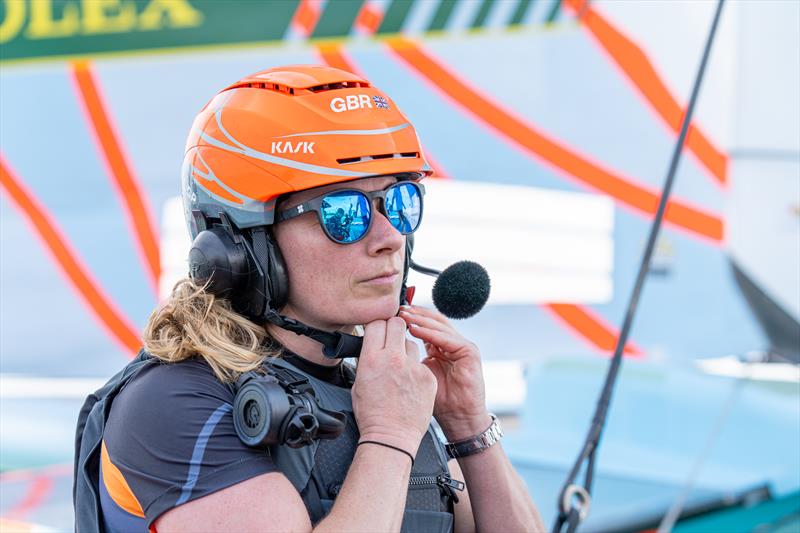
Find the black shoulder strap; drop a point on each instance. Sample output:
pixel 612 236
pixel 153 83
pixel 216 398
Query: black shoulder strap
pixel 297 464
pixel 88 434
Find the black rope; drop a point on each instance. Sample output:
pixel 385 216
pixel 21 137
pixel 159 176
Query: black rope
pixel 568 514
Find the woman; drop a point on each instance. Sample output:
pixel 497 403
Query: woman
pixel 270 162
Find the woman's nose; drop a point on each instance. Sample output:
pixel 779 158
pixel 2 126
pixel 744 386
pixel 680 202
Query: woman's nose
pixel 383 237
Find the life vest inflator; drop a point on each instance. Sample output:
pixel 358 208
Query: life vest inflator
pixel 277 408
pixel 312 442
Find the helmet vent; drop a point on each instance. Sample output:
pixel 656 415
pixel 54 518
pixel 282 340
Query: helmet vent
pixel 339 85
pixel 364 158
pixel 277 87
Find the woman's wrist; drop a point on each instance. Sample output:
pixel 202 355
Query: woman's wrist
pixel 460 427
pixel 383 444
pixel 405 441
pixel 384 458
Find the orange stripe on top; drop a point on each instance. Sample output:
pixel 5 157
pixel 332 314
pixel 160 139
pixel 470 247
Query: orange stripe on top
pixel 369 18
pixel 537 143
pixel 116 485
pixel 640 70
pixel 56 243
pixel 306 16
pixel 109 145
pixel 591 327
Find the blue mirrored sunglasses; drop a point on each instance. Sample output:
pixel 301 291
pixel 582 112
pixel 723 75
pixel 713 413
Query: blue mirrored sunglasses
pixel 346 214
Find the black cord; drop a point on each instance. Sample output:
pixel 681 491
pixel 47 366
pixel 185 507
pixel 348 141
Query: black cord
pixel 569 515
pixel 401 450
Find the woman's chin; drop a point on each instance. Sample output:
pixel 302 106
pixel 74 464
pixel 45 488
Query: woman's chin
pixel 383 309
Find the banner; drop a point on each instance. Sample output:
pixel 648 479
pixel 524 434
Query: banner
pixel 42 28
pixel 31 29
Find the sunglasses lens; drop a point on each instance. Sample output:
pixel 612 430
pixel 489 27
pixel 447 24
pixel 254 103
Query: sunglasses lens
pixel 404 207
pixel 345 215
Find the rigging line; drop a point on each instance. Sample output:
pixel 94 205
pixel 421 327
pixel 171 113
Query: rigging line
pixel 675 510
pixel 566 506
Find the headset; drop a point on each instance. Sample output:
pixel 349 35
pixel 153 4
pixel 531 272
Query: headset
pixel 246 268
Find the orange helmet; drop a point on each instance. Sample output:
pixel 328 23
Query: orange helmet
pixel 287 129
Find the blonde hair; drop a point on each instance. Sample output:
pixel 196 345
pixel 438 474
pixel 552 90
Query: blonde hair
pixel 195 323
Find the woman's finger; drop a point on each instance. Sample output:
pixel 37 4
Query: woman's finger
pixel 374 336
pixel 435 366
pixel 429 313
pixel 446 343
pixel 396 334
pixel 412 350
pixel 425 321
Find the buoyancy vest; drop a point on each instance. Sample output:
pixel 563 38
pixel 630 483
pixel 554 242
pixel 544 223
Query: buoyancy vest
pixel 316 471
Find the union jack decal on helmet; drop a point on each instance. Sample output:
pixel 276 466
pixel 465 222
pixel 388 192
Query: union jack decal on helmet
pixel 380 102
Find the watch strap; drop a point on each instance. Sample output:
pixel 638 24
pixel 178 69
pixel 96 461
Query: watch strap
pixel 477 444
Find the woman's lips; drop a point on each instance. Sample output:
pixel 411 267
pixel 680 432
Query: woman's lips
pixel 387 279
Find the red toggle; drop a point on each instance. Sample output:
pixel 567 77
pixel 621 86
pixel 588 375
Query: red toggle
pixel 410 294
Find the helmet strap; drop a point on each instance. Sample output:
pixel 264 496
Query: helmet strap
pixel 335 345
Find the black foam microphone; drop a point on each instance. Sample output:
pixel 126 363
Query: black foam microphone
pixel 461 290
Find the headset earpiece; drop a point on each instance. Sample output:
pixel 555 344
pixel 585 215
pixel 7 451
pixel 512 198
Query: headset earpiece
pixel 247 270
pixel 216 259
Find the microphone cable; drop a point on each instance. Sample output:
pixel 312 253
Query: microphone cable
pixel 574 500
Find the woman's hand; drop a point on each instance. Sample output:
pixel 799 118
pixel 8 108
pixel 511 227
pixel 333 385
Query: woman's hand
pixel 393 393
pixel 460 406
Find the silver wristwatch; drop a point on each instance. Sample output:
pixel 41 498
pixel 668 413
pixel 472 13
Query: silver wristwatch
pixel 477 444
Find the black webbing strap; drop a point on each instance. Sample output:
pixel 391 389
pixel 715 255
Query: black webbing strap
pixel 335 345
pixel 290 381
